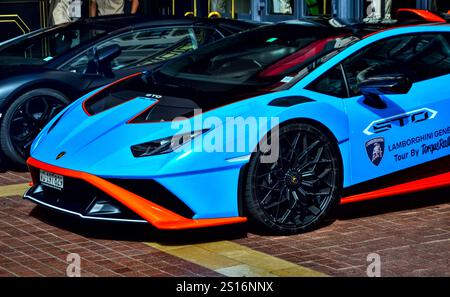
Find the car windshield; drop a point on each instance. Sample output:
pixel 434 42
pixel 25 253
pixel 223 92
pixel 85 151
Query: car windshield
pixel 261 57
pixel 47 45
pixel 252 63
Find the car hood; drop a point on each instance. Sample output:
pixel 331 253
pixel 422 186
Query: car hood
pixel 93 132
pixel 174 98
pixel 88 140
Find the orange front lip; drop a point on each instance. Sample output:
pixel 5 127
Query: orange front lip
pixel 156 215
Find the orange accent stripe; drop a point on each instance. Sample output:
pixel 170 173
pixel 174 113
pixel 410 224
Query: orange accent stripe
pixel 433 182
pixel 425 14
pixel 156 215
pixel 105 87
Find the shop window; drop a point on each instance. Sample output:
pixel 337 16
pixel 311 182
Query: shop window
pixel 281 7
pixel 243 6
pixel 220 6
pixel 318 7
pixel 226 8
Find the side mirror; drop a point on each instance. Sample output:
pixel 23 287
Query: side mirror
pixel 101 62
pixel 105 57
pixel 375 86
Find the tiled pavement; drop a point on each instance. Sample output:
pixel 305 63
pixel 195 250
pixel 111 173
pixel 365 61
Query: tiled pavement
pixel 30 246
pixel 10 178
pixel 411 235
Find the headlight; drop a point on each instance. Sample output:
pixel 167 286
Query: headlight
pixel 164 145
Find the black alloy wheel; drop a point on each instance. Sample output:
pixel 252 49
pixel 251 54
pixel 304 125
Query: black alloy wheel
pixel 294 193
pixel 25 118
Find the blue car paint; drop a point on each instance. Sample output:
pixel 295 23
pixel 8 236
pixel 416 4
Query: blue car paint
pixel 208 183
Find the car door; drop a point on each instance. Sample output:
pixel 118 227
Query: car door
pixel 411 128
pixel 139 49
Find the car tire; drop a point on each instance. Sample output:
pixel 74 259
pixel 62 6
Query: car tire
pixel 295 193
pixel 24 119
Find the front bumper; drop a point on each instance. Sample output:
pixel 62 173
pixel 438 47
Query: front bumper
pixel 86 190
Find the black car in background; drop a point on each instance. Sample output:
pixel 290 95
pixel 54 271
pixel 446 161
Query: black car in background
pixel 42 72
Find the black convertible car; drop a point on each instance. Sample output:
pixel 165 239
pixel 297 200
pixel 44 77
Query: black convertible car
pixel 42 72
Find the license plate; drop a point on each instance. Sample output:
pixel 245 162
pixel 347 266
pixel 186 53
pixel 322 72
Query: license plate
pixel 51 180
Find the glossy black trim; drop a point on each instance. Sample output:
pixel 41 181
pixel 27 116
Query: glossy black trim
pixel 156 193
pixel 290 101
pixel 241 189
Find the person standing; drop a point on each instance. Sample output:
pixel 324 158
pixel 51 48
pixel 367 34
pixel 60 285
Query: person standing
pixel 375 13
pixel 64 11
pixel 286 6
pixel 282 7
pixel 108 7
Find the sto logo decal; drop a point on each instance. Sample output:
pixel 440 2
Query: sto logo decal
pixel 400 120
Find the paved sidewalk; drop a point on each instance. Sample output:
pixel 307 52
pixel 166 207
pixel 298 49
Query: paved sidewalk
pixel 11 178
pixel 411 234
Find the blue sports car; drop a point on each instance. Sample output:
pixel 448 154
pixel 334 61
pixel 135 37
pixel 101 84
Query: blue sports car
pixel 277 125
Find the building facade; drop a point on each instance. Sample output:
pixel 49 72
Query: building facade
pixel 22 16
pixel 275 10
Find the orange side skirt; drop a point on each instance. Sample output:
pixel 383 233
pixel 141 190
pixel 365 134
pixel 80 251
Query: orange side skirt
pixel 156 215
pixel 429 183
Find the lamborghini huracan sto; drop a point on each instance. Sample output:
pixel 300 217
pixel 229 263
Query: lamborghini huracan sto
pixel 339 117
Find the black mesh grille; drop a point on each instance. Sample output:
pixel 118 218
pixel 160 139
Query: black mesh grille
pixel 78 196
pixel 155 193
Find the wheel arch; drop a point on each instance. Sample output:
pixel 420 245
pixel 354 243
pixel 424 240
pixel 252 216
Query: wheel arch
pixel 243 173
pixel 6 104
pixel 327 131
pixel 66 89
